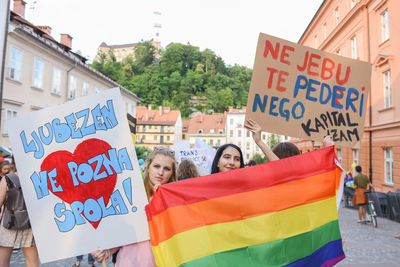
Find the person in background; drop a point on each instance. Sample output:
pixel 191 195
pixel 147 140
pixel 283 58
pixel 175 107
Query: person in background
pixel 186 169
pixel 80 258
pixel 251 163
pixel 161 169
pixel 228 157
pixel 4 168
pixel 360 199
pixel 13 239
pixel 349 181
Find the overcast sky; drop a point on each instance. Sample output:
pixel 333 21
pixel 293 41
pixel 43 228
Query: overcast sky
pixel 229 28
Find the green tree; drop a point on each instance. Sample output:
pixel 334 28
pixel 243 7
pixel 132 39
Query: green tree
pixel 142 152
pixel 144 54
pixel 273 140
pixel 258 158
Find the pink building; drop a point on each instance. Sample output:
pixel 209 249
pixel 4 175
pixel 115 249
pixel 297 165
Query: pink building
pixel 367 30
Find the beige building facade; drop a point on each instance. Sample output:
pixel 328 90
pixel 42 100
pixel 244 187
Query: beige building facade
pixel 41 72
pixel 367 30
pixel 158 128
pixel 122 51
pixel 210 128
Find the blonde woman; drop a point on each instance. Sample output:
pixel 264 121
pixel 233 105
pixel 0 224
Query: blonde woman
pixel 161 168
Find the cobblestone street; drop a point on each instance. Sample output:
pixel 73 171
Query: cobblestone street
pixel 364 245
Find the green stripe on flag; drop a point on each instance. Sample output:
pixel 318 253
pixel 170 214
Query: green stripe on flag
pixel 276 253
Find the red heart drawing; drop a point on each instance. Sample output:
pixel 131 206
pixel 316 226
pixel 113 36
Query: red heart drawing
pixel 94 189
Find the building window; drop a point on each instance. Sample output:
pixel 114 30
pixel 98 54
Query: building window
pixel 354 47
pixel 339 155
pixel 38 73
pixel 247 133
pixel 355 156
pixel 240 145
pixel 56 86
pixel 264 137
pixel 155 137
pixel 218 142
pixel 231 121
pixel 247 156
pixel 97 90
pixel 220 131
pixel 73 85
pixel 337 17
pixel 149 126
pixel 325 31
pixel 85 89
pixel 338 52
pixel 211 142
pixel 231 133
pixel 257 148
pixel 247 145
pixel 168 137
pixel 10 114
pixel 387 89
pixel 211 131
pixel 388 165
pixel 200 131
pixel 385 25
pixel 14 67
pixel 239 133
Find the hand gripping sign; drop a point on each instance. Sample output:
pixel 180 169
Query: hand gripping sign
pixel 80 176
pixel 302 92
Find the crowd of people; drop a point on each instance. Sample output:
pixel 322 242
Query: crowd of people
pixel 161 168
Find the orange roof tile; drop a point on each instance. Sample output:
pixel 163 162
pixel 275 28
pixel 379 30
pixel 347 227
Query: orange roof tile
pixel 185 125
pixel 162 116
pixel 206 123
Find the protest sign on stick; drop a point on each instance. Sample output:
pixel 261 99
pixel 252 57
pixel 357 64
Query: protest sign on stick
pixel 80 177
pixel 302 92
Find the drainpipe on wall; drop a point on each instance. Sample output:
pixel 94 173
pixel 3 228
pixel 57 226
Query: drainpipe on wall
pixel 370 102
pixel 5 4
pixel 68 71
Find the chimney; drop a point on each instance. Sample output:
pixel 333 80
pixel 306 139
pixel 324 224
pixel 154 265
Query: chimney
pixel 46 29
pixel 160 110
pixel 19 7
pixel 149 106
pixel 230 109
pixel 167 109
pixel 66 40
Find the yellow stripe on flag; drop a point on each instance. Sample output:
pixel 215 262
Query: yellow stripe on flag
pixel 265 228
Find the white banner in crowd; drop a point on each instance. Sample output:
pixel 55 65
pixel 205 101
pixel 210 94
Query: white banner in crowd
pixel 80 176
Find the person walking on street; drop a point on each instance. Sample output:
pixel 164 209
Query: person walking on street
pixel 360 199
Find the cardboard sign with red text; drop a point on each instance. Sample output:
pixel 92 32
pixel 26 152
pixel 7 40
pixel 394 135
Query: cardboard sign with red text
pixel 302 92
pixel 80 176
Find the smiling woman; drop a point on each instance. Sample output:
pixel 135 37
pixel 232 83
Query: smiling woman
pixel 228 157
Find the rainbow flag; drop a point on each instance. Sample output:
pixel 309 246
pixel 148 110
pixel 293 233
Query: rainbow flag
pixel 281 213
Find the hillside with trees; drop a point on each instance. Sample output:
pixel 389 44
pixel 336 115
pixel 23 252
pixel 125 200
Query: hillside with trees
pixel 182 77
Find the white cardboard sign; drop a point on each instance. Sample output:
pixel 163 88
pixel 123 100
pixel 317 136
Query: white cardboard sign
pixel 80 176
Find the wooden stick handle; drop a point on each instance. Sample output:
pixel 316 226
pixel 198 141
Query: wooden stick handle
pixel 103 263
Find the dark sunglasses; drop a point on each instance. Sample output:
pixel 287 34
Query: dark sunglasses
pixel 163 148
